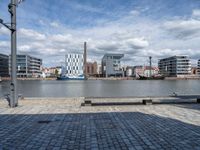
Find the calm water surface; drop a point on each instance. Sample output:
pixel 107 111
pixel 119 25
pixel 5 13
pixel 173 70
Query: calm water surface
pixel 102 88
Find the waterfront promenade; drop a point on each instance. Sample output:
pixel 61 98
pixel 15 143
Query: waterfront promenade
pixel 65 124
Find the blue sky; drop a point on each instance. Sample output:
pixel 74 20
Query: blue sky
pixel 137 28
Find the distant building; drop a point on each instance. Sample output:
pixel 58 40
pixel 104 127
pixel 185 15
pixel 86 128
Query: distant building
pixel 138 70
pixel 194 71
pixel 198 67
pixel 99 70
pixel 91 68
pixel 145 71
pixel 73 65
pixel 111 65
pixel 27 66
pixel 4 67
pixel 150 71
pixel 129 71
pixel 51 72
pixel 177 66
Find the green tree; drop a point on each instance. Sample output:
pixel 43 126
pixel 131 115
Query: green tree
pixel 56 73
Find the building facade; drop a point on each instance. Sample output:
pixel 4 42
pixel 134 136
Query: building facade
pixel 27 66
pixel 138 70
pixel 4 67
pixel 178 66
pixel 51 72
pixel 99 70
pixel 194 71
pixel 129 71
pixel 198 67
pixel 91 68
pixel 150 71
pixel 145 71
pixel 111 65
pixel 74 65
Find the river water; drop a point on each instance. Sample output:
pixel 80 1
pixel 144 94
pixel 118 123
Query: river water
pixel 103 88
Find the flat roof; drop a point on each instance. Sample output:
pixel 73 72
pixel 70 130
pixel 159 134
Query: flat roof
pixel 116 55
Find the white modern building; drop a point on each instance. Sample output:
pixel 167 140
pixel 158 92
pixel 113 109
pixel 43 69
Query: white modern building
pixel 73 65
pixel 178 66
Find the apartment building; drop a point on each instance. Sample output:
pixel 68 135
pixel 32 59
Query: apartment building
pixel 27 66
pixel 178 66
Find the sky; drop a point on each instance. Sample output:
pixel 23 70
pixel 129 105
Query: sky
pixel 137 28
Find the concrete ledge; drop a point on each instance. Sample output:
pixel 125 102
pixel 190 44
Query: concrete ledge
pixel 109 101
pixel 87 103
pixel 147 101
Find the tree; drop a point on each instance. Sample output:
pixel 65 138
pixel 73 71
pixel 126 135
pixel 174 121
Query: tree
pixel 56 72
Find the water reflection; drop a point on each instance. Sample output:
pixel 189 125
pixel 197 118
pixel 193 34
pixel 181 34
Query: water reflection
pixel 103 88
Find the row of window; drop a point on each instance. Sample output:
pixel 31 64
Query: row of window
pixel 73 56
pixel 74 72
pixel 73 67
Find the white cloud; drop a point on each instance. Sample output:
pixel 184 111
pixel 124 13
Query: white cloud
pixel 4 44
pixel 107 45
pixel 196 13
pixel 136 39
pixel 24 48
pixel 62 50
pixel 54 24
pixel 61 38
pixel 4 31
pixel 41 22
pixel 184 28
pixel 31 34
pixel 137 43
pixel 134 12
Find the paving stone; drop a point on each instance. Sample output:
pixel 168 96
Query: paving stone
pixel 64 124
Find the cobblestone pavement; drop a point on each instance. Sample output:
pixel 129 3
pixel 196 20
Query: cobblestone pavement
pixel 64 124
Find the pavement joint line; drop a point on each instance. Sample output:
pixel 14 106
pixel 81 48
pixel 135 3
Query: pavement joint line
pixel 115 127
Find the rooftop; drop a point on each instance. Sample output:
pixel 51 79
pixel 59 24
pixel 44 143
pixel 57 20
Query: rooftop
pixel 114 55
pixel 175 56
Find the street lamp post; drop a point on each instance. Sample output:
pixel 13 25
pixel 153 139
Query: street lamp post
pixel 13 92
pixel 13 99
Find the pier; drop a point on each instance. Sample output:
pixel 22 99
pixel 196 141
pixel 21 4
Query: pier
pixel 62 123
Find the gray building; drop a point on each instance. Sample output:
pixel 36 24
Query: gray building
pixel 4 71
pixel 198 67
pixel 175 66
pixel 111 65
pixel 28 66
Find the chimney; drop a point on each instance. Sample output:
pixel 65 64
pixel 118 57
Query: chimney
pixel 85 58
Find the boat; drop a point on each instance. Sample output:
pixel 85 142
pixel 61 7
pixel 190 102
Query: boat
pixel 79 77
pixel 158 77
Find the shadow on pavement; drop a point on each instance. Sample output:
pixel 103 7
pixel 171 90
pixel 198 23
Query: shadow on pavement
pixel 190 106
